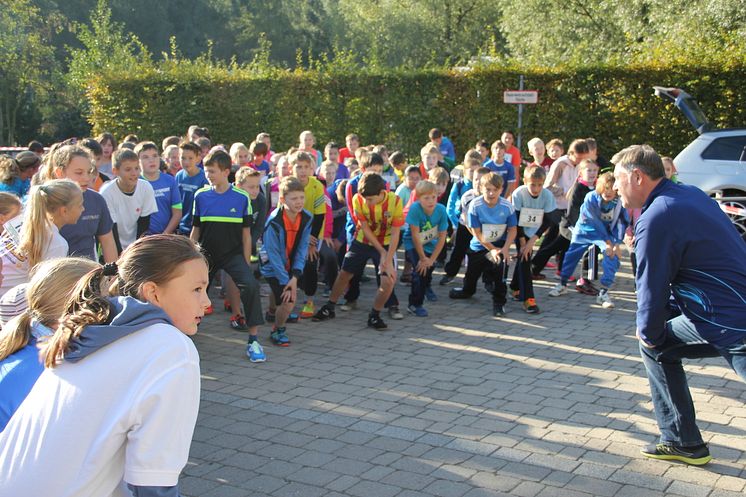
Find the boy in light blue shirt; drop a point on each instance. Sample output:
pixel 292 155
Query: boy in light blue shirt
pixel 492 221
pixel 424 237
pixel 533 205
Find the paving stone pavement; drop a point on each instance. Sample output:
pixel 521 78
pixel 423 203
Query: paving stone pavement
pixel 456 404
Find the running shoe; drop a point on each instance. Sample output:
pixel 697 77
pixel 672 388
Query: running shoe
pixel 559 289
pixel 696 456
pixel 417 310
pixel 308 310
pixel 255 352
pixel 238 323
pixel 350 305
pixel 376 322
pixel 605 299
pixel 530 306
pixel 325 312
pixel 279 337
pixel 395 313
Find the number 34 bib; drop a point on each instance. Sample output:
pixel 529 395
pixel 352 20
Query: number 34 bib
pixel 531 218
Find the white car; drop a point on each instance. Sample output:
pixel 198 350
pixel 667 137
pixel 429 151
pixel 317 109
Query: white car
pixel 715 161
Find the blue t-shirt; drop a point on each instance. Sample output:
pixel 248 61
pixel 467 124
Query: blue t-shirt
pixel 95 221
pixel 167 197
pixel 506 170
pixel 187 186
pixel 446 148
pixel 493 221
pixel 531 210
pixel 430 226
pixel 342 172
pixel 18 373
pixel 403 192
pixel 17 187
pixel 339 212
pixel 262 168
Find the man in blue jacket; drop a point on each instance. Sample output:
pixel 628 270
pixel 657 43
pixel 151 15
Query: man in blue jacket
pixel 686 248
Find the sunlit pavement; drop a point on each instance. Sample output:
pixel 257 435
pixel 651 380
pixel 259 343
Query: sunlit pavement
pixel 456 404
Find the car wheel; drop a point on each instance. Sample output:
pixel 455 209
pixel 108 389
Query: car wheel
pixel 735 210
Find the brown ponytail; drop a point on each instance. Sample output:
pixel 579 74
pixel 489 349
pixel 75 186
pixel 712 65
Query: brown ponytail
pixel 155 258
pixel 85 307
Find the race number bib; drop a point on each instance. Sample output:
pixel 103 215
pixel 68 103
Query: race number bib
pixel 531 218
pixel 429 235
pixel 493 232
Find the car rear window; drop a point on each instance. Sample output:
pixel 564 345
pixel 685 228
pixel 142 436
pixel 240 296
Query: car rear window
pixel 726 148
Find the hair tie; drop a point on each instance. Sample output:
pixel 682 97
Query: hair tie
pixel 111 269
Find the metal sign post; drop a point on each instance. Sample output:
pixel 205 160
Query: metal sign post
pixel 520 116
pixel 520 97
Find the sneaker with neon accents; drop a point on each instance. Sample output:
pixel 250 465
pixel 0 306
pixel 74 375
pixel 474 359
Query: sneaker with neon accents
pixel 279 337
pixel 308 310
pixel 696 456
pixel 255 352
pixel 530 306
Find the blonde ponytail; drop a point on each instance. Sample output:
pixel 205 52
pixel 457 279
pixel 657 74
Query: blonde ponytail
pixel 43 201
pixel 47 293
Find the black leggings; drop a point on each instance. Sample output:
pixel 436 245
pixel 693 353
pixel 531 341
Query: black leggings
pixel 460 245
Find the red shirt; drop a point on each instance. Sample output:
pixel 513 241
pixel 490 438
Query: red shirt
pixel 344 153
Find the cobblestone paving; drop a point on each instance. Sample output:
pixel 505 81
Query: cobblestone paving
pixel 456 404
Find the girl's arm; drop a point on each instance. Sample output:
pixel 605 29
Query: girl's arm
pixel 109 245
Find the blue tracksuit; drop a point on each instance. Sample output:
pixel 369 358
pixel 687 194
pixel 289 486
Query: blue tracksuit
pixel 687 246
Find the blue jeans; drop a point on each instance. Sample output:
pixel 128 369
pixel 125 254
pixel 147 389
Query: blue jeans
pixel 674 410
pixel 419 282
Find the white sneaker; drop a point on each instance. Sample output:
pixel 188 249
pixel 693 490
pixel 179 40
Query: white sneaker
pixel 395 313
pixel 605 300
pixel 348 306
pixel 559 289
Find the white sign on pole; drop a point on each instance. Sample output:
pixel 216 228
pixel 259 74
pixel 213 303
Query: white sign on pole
pixel 521 96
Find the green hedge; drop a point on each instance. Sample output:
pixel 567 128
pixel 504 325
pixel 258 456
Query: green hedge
pixel 614 104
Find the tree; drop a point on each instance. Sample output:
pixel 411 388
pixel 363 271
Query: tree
pixel 26 63
pixel 105 48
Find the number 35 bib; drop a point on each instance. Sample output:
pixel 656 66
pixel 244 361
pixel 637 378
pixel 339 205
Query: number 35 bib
pixel 493 232
pixel 531 218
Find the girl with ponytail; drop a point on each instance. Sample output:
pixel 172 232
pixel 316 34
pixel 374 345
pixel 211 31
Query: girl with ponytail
pixel 47 293
pixel 116 406
pixel 50 207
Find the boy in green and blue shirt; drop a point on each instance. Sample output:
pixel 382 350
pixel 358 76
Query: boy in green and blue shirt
pixel 221 225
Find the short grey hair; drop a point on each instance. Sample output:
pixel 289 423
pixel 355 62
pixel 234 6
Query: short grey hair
pixel 641 157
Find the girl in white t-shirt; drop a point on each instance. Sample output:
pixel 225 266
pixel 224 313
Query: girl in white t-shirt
pixel 37 237
pixel 114 412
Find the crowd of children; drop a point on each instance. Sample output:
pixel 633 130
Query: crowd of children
pixel 95 197
pixel 169 225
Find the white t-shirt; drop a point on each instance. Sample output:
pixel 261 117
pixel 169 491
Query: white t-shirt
pixel 126 413
pixel 15 271
pixel 562 175
pixel 127 209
